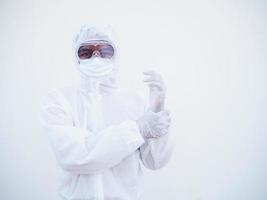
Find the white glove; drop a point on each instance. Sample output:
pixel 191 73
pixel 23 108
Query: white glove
pixel 157 90
pixel 153 125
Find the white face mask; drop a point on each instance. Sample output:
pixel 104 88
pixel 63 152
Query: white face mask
pixel 96 67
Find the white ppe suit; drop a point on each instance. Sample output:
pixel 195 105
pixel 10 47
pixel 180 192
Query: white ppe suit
pixel 93 132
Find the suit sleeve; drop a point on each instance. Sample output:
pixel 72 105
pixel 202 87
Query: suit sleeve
pixel 77 150
pixel 155 153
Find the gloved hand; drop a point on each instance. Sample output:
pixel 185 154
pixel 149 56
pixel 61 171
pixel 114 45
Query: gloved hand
pixel 153 124
pixel 157 90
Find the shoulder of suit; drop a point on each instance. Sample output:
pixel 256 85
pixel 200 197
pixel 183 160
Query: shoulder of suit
pixel 60 94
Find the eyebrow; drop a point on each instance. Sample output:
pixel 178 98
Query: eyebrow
pixel 84 48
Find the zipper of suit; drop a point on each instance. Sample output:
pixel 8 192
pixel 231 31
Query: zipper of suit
pixel 98 185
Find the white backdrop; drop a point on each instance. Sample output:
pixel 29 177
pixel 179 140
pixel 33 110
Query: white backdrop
pixel 213 56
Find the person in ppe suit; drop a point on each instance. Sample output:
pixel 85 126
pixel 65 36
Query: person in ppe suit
pixel 102 134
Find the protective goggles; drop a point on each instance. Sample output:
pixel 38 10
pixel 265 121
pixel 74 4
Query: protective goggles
pixel 101 49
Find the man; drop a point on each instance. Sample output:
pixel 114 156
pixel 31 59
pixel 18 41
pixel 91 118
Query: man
pixel 101 134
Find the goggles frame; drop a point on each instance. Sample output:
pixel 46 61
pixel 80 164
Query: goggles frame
pixel 95 43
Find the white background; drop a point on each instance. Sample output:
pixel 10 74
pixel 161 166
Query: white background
pixel 213 56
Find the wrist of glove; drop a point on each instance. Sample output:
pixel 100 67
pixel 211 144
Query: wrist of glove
pixel 152 125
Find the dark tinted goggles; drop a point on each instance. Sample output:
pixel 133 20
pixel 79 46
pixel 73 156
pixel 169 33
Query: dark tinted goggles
pixel 104 50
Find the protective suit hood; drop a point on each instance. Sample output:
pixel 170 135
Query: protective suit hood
pixel 98 75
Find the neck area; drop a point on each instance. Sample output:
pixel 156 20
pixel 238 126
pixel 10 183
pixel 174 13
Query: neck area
pixel 99 85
